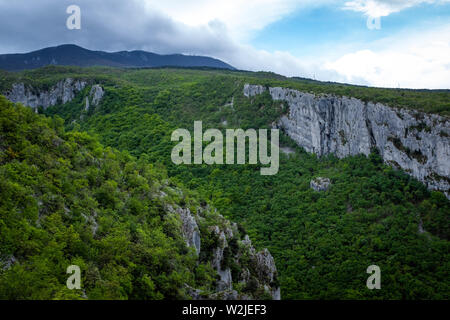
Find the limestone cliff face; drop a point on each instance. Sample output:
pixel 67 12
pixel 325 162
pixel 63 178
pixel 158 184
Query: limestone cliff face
pixel 416 142
pixel 63 92
pixel 96 94
pixel 258 273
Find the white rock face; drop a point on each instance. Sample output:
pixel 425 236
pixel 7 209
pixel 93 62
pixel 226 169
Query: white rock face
pixel 63 92
pixel 252 90
pixel 189 227
pixel 320 184
pixel 265 266
pixel 266 262
pixel 258 268
pixel 7 262
pixel 262 262
pixel 416 142
pixel 225 282
pixel 87 104
pixel 96 94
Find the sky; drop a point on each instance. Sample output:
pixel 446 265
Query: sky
pixel 383 43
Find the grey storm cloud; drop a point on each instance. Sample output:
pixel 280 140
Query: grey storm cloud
pixel 109 25
pixel 115 25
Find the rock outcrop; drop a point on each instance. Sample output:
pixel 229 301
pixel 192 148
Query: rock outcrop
pixel 226 282
pixel 7 262
pixel 258 273
pixel 189 227
pixel 264 264
pixel 320 184
pixel 63 92
pixel 96 94
pixel 416 142
pixel 258 276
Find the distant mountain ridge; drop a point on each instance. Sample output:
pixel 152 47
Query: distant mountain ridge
pixel 72 55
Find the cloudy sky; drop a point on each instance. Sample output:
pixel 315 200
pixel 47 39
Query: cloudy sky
pixel 390 43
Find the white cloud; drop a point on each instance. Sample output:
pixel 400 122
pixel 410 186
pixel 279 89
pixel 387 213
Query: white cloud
pixel 382 8
pixel 246 57
pixel 411 60
pixel 241 17
pixel 421 60
pixel 187 28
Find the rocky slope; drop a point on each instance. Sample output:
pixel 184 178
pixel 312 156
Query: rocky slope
pixel 416 142
pixel 257 273
pixel 238 270
pixel 64 91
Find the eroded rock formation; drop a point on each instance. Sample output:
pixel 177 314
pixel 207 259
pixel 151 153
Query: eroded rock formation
pixel 416 142
pixel 63 92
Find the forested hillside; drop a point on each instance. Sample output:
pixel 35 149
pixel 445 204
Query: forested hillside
pixel 67 200
pixel 432 101
pixel 322 242
pixel 72 55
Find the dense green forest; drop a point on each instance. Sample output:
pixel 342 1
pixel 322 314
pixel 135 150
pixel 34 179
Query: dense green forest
pixel 67 200
pixel 432 101
pixel 322 242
